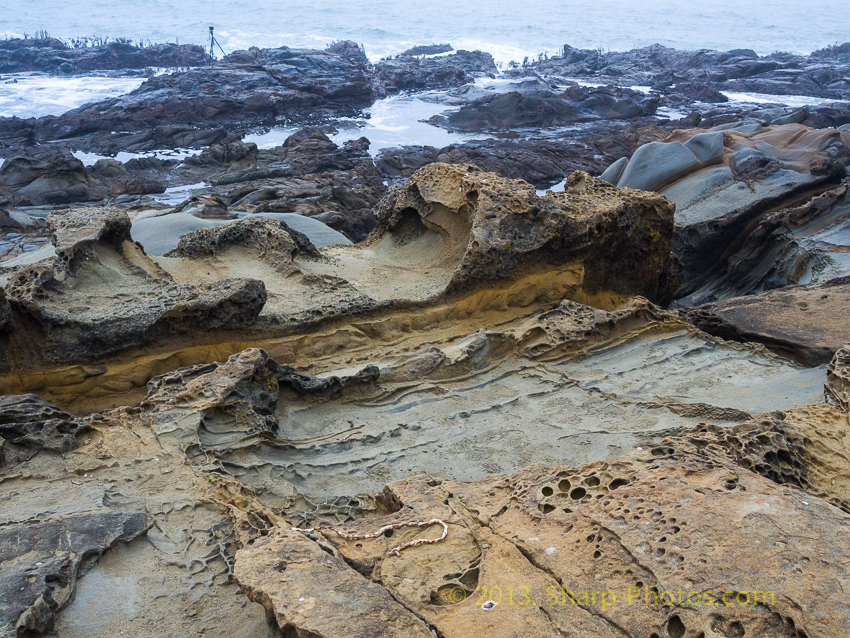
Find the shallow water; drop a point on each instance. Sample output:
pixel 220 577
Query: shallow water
pixel 393 121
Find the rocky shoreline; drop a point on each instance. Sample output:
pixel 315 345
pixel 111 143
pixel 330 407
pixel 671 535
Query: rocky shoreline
pixel 545 380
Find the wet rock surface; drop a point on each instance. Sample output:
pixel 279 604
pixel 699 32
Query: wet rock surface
pixel 247 89
pixel 56 56
pixel 737 70
pixel 252 88
pixel 547 108
pixel 54 176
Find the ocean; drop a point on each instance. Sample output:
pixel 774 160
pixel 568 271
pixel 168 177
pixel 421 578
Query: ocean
pixel 509 29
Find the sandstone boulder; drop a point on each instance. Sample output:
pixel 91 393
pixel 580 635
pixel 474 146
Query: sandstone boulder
pixel 29 421
pixel 103 294
pixel 497 228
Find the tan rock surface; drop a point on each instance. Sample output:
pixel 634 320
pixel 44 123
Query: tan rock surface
pixel 673 520
pixel 446 375
pixel 492 245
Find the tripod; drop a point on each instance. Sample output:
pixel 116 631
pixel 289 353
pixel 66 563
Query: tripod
pixel 214 42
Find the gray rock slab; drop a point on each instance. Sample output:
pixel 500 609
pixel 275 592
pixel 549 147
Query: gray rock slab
pixel 160 235
pixel 655 165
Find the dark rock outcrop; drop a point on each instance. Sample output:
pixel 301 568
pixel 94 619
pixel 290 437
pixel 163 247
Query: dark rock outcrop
pixel 428 49
pixel 408 73
pixel 308 175
pixel 52 175
pixel 30 421
pixel 539 162
pixel 41 562
pixel 183 109
pixel 542 108
pixel 50 55
pixel 205 208
pixel 737 70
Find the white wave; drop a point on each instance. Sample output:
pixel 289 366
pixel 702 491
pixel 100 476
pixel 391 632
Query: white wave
pixel 37 94
pixel 89 159
pixel 794 101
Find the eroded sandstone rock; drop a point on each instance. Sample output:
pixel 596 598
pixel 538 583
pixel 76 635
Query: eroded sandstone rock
pixel 103 294
pixel 497 227
pixel 270 238
pixel 793 245
pixel 230 456
pixel 838 379
pixel 237 398
pixel 360 608
pixel 607 549
pixel 5 313
pixel 40 562
pixel 724 183
pixel 30 421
